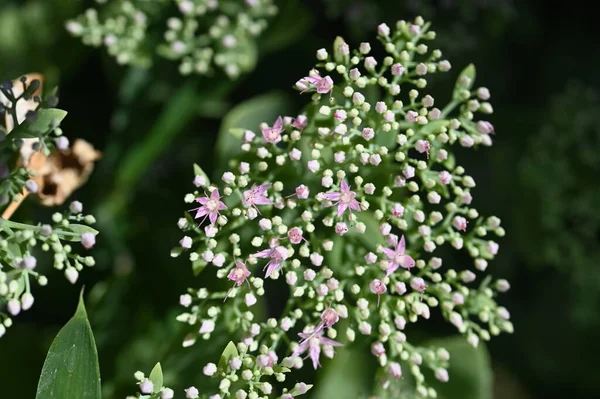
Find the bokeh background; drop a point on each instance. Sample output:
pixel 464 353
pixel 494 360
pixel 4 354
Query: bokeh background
pixel 540 60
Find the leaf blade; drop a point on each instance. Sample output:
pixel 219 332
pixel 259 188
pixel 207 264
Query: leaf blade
pixel 71 368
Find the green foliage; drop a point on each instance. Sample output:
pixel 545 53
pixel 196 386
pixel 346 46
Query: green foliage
pixel 71 369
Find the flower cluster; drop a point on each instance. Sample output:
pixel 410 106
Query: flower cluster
pixel 202 35
pixel 31 133
pixel 350 203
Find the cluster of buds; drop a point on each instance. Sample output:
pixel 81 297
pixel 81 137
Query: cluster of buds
pixel 237 367
pixel 350 203
pixel 30 134
pixel 204 35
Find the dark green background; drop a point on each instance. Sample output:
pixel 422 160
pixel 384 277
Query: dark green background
pixel 540 60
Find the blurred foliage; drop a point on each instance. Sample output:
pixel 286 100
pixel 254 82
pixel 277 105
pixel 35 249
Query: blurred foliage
pixel 153 124
pixel 559 175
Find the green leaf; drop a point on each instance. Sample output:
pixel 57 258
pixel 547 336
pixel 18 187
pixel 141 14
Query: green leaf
pixel 71 368
pixel 292 23
pixel 77 229
pixel 156 377
pixel 470 371
pixel 372 238
pixel 346 376
pixel 44 120
pixel 198 171
pixel 468 72
pixel 198 266
pixel 229 352
pixel 337 55
pixel 247 115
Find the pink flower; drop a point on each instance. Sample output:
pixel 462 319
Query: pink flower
pixel 300 122
pixel 339 156
pixel 277 254
pixel 423 146
pixel 340 115
pixel 322 84
pixel 295 235
pixel 210 207
pixel 484 127
pixel 398 257
pixel 341 228
pixel 397 210
pixel 377 349
pixel 345 199
pixel 239 273
pixel 418 284
pixel 329 317
pixel 459 223
pixel 257 196
pixel 302 191
pixel 411 116
pixel 397 69
pixel 445 177
pixel 395 370
pixel 312 343
pixel 273 134
pixel 378 287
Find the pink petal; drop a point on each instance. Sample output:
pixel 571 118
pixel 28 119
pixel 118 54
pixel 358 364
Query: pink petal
pixel 263 201
pixel 272 266
pixel 355 205
pixel 222 206
pixel 313 79
pixel 201 212
pixel 407 262
pixel 304 335
pixel 215 194
pixel 341 209
pixel 332 196
pixel 391 269
pixel 344 186
pixel 213 217
pixel 401 245
pixel 314 352
pixel 327 341
pixel 301 348
pixel 390 253
pixel 262 188
pixel 202 200
pixel 265 253
pixel 278 125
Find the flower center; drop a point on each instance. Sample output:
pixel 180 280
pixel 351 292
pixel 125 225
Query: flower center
pixel 398 258
pixel 346 197
pixel 212 205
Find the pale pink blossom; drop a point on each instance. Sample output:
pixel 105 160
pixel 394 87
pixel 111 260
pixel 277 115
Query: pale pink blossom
pixel 484 127
pixel 272 134
pixel 377 349
pixel 398 257
pixel 313 165
pixel 210 207
pixel 345 198
pixel 277 255
pixel 459 223
pixel 423 146
pixel 340 115
pixel 239 273
pixel 397 69
pixel 418 284
pixel 445 177
pixel 312 343
pixel 378 287
pixel 257 195
pixel 339 156
pixel 397 210
pixel 300 122
pixel 411 116
pixel 394 370
pixel 341 228
pixel 295 235
pixel 323 85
